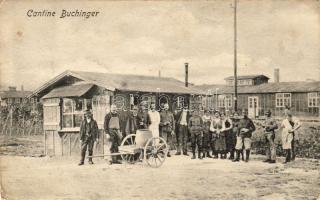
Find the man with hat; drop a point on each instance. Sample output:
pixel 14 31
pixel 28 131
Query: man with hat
pixel 246 127
pixel 182 134
pixel 144 120
pixel 88 135
pixel 112 129
pixel 270 125
pixel 167 126
pixel 132 122
pixel 195 126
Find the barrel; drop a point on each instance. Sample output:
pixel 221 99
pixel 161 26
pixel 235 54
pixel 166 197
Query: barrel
pixel 142 136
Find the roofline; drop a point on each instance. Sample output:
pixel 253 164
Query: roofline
pixel 60 76
pixel 245 77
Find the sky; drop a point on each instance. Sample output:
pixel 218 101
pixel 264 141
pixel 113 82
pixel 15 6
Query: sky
pixel 143 37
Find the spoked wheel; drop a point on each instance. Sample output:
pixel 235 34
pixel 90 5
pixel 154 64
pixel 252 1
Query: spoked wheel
pixel 155 151
pixel 128 149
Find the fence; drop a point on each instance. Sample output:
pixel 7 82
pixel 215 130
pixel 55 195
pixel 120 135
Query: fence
pixel 21 119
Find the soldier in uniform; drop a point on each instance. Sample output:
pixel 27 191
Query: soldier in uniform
pixel 132 121
pixel 270 125
pixel 167 126
pixel 231 138
pixel 182 134
pixel 112 129
pixel 144 120
pixel 246 127
pixel 195 126
pixel 88 135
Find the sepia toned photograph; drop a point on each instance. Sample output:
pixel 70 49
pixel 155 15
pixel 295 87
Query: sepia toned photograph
pixel 160 100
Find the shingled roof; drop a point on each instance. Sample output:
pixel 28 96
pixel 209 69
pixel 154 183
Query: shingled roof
pixel 266 88
pixel 126 82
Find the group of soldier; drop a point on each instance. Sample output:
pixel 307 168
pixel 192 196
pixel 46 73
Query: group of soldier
pixel 213 135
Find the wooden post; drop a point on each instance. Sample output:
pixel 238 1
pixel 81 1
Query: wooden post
pixel 53 145
pixel 45 143
pixel 69 144
pixel 10 130
pixel 23 125
pixel 102 141
pixel 62 144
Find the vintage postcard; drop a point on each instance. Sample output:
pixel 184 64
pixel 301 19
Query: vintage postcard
pixel 159 99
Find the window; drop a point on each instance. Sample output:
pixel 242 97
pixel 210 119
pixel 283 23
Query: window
pixel 313 99
pixel 72 114
pixel 283 99
pixel 225 101
pixel 17 100
pixel 180 102
pixel 148 99
pixel 228 100
pixel 221 101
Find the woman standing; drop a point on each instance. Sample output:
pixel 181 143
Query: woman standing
pixel 225 133
pixel 217 138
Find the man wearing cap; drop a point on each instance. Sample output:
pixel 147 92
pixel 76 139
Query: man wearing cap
pixel 182 134
pixel 270 125
pixel 154 119
pixel 88 135
pixel 132 122
pixel 167 126
pixel 144 120
pixel 112 129
pixel 195 126
pixel 246 127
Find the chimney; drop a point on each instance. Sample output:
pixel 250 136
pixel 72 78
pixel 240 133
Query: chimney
pixel 159 73
pixel 12 88
pixel 186 74
pixel 276 75
pixel 22 89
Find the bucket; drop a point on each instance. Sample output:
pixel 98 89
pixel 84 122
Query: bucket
pixel 142 136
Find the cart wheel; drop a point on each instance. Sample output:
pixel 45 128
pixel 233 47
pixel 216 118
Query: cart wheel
pixel 155 151
pixel 129 140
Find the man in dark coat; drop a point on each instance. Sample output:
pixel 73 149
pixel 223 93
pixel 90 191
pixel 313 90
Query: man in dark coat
pixel 182 118
pixel 246 127
pixel 132 121
pixel 167 126
pixel 270 125
pixel 88 135
pixel 112 126
pixel 195 126
pixel 144 120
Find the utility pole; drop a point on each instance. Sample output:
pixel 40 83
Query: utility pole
pixel 235 59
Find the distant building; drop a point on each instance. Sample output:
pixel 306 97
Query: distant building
pixel 248 80
pixel 12 96
pixel 256 96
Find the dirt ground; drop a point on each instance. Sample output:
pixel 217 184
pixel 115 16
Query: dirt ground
pixel 44 178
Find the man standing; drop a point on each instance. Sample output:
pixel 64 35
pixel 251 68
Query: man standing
pixel 167 126
pixel 88 134
pixel 112 129
pixel 132 121
pixel 195 126
pixel 182 134
pixel 270 125
pixel 296 122
pixel 289 126
pixel 154 119
pixel 246 127
pixel 143 117
pixel 206 140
